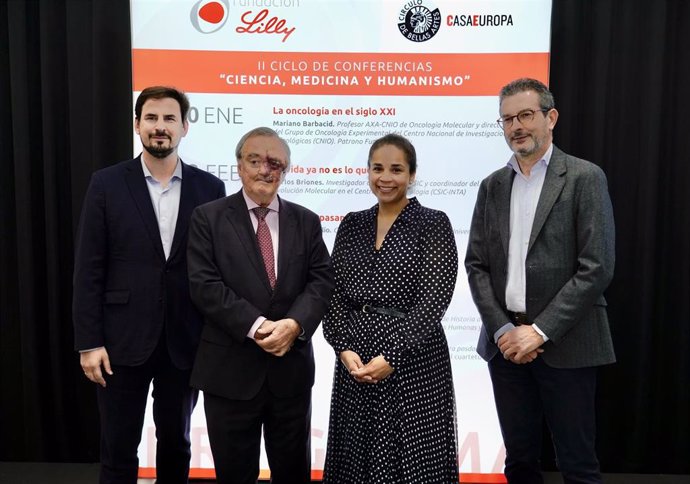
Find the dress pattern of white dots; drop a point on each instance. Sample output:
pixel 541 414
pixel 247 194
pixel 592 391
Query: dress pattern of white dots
pixel 403 428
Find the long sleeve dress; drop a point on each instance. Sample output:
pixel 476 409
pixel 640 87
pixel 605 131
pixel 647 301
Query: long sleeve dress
pixel 403 428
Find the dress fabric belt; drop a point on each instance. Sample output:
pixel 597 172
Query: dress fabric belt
pixel 519 318
pixel 396 313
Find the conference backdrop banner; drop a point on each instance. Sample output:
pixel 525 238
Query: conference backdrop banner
pixel 330 77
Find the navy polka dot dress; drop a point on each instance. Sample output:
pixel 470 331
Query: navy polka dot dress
pixel 402 429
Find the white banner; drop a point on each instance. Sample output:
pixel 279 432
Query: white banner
pixel 330 77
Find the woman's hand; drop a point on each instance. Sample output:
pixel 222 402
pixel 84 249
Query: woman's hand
pixel 351 361
pixel 373 372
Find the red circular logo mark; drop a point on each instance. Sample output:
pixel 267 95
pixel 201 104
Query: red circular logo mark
pixel 208 16
pixel 212 12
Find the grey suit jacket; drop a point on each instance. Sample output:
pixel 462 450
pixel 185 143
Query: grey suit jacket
pixel 569 261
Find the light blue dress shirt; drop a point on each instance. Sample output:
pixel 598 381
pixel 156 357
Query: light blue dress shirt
pixel 166 203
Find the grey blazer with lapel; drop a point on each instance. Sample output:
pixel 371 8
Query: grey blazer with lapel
pixel 569 261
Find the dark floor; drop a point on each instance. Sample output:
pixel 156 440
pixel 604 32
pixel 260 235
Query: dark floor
pixel 44 473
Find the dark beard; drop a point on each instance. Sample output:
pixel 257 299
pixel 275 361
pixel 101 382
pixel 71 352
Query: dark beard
pixel 158 151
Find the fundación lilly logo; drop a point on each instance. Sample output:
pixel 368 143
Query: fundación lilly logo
pixel 208 16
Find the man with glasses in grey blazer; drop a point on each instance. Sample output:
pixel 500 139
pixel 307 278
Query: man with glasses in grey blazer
pixel 539 257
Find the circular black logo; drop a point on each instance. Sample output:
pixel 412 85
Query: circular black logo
pixel 417 22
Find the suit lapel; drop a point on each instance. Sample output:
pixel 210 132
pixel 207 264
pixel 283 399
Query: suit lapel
pixel 142 199
pixel 238 217
pixel 553 185
pixel 184 213
pixel 286 239
pixel 502 200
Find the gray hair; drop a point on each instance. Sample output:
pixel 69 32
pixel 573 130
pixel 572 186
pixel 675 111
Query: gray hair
pixel 260 131
pixel 527 84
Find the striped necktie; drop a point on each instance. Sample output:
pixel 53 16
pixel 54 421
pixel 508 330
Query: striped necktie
pixel 263 236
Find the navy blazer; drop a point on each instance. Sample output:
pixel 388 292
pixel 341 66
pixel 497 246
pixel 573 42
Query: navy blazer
pixel 125 292
pixel 569 263
pixel 230 287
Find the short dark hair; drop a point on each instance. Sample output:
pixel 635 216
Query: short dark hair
pixel 400 142
pixel 527 84
pixel 161 92
pixel 260 131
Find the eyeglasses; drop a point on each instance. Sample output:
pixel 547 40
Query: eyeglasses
pixel 271 163
pixel 524 117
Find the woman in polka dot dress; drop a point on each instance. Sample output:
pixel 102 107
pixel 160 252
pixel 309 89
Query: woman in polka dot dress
pixel 392 409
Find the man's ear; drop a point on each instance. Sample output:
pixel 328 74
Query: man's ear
pixel 553 118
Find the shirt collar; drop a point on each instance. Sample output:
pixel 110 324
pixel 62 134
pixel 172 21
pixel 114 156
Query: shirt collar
pixel 251 204
pixel 544 161
pixel 176 174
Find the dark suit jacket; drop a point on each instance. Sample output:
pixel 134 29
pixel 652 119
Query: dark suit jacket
pixel 125 292
pixel 569 261
pixel 230 287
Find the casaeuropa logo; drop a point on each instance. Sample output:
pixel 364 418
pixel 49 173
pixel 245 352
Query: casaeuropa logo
pixel 484 20
pixel 208 16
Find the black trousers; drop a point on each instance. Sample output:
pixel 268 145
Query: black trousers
pixel 122 404
pixel 524 396
pixel 234 432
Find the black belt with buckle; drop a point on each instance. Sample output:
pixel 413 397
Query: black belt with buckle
pixel 519 318
pixel 368 308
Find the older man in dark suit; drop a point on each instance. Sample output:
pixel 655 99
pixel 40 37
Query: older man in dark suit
pixel 134 321
pixel 260 274
pixel 539 256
